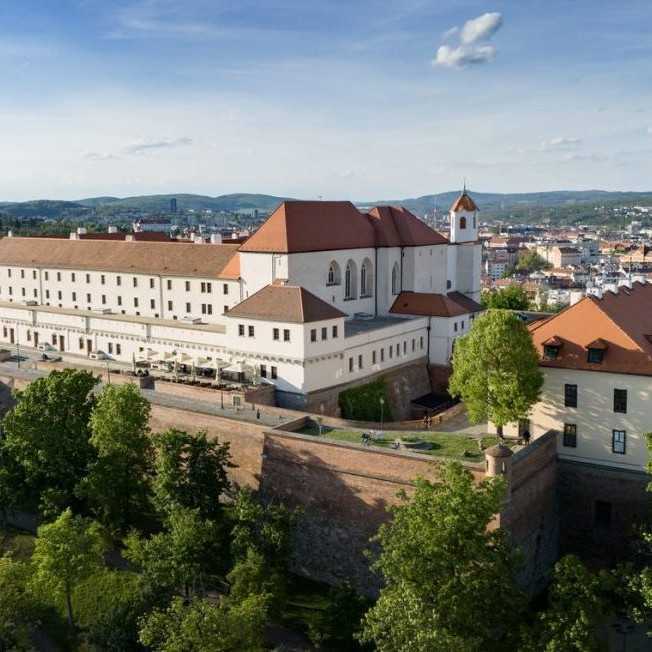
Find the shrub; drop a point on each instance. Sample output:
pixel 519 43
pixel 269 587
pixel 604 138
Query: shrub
pixel 362 403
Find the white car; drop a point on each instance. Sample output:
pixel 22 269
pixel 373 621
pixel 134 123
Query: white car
pixel 98 355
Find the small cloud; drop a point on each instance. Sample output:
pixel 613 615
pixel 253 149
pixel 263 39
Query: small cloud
pixel 590 158
pixel 481 28
pixel 463 55
pixel 472 47
pixel 100 156
pixel 141 146
pixel 560 143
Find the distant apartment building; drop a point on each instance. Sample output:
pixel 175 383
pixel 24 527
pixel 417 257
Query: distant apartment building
pixel 560 255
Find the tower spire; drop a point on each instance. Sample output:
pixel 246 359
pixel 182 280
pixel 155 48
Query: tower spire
pixel 464 186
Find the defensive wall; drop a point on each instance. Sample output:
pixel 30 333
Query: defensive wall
pixel 344 490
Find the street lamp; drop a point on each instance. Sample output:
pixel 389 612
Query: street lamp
pixel 381 400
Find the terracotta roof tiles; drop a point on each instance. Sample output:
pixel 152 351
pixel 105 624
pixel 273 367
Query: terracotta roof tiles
pixel 428 304
pixel 464 203
pixel 285 303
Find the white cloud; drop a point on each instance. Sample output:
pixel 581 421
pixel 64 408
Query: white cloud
pixel 560 142
pixel 481 28
pixel 472 47
pixel 141 146
pixel 591 158
pixel 100 156
pixel 464 55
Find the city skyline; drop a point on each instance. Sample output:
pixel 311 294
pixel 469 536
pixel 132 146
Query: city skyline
pixel 373 101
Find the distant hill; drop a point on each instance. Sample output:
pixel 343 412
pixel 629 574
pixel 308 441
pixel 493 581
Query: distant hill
pixel 563 205
pixel 154 203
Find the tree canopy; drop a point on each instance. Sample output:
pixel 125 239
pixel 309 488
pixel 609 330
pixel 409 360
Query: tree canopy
pixel 449 580
pixel 513 297
pixel 46 448
pixel 496 369
pixel 118 481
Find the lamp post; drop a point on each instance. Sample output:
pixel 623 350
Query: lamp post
pixel 108 373
pixel 381 400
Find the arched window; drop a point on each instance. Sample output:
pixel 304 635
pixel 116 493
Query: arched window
pixel 396 281
pixel 366 279
pixel 333 274
pixel 462 222
pixel 350 275
pixel 475 226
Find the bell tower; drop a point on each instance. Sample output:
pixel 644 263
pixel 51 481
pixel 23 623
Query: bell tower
pixel 463 219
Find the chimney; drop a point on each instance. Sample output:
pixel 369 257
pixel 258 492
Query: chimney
pixel 216 238
pixel 112 229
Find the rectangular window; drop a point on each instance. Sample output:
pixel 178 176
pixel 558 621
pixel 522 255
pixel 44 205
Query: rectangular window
pixel 203 287
pixel 455 327
pixel 187 286
pixel 118 280
pixel 203 308
pixel 595 356
pixel 391 351
pixel 9 275
pixel 135 302
pixel 275 333
pixel 414 345
pixel 73 278
pixel 47 276
pixel 620 401
pixel 263 371
pixel 404 347
pixel 22 273
pixel 274 372
pixel 118 349
pixel 151 283
pixel 88 278
pixel 59 295
pixel 29 336
pixel 350 365
pixel 110 348
pixel 47 293
pixel 119 300
pixel 570 435
pixel 250 331
pixel 324 333
pixel 570 395
pixel 360 362
pixel 103 279
pixel 209 288
pixel 421 342
pixel 550 352
pixel 152 304
pixel 81 343
pixel 54 339
pixel 286 334
pixel 241 330
pixel 334 331
pixel 135 281
pixel 225 288
pixel 169 283
pixel 226 309
pixel 382 355
pixel 74 296
pixel 34 274
pixel 170 305
pixel 22 291
pixel 103 299
pixel 209 308
pixel 619 442
pixel 313 334
pixel 373 357
pixel 188 308
pixel 88 298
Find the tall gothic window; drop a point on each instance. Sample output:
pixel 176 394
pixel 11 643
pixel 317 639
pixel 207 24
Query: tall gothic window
pixel 462 222
pixel 333 274
pixel 350 281
pixel 396 283
pixel 366 279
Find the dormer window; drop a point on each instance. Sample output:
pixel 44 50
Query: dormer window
pixel 595 351
pixel 551 348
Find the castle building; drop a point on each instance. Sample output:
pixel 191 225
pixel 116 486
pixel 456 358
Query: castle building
pixel 320 297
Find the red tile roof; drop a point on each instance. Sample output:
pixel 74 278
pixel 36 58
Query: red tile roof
pixel 427 304
pixel 464 203
pixel 303 226
pixel 285 303
pixel 620 323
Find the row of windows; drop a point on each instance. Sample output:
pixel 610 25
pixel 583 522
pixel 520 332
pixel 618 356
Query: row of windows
pixel 273 371
pixel 618 439
pixel 619 398
pixel 206 287
pixel 391 351
pixel 324 333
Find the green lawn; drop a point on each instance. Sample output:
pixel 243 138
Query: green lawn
pixel 442 444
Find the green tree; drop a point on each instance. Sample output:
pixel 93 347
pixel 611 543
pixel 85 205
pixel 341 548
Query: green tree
pixel 530 261
pixel 117 486
pixel 181 557
pixel 513 297
pixel 204 626
pixel 496 369
pixel 578 604
pixel 17 605
pixel 46 448
pixel 66 552
pixel 190 471
pixel 449 580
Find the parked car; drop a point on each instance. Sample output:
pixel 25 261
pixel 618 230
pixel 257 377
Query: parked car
pixel 98 355
pixel 44 346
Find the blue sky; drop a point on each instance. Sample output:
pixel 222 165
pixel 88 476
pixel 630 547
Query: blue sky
pixel 359 99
